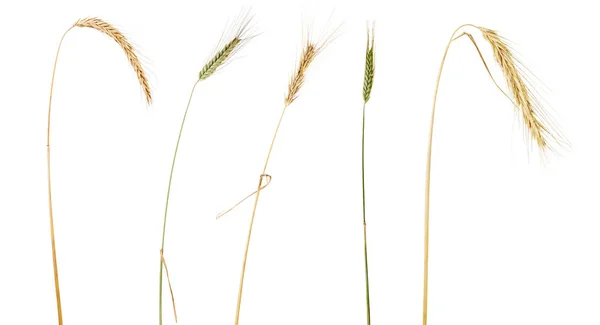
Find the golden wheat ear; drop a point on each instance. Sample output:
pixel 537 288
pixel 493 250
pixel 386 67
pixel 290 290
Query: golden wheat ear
pixel 312 47
pixel 542 129
pixel 108 29
pixel 239 32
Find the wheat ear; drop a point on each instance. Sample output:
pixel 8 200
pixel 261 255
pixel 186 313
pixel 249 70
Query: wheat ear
pixel 117 36
pixel 308 55
pixel 537 121
pixel 133 59
pixel 232 40
pixel 369 64
pixel 309 52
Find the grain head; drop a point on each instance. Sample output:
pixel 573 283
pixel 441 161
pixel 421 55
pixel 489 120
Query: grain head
pixel 310 51
pixel 537 121
pixel 233 39
pixel 369 64
pixel 130 52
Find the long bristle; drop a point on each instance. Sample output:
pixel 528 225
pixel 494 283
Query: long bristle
pixel 235 37
pixel 535 118
pixel 117 36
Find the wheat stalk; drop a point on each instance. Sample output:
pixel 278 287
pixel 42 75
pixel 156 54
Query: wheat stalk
pixel 232 40
pixel 367 87
pixel 309 52
pixel 537 121
pixel 112 32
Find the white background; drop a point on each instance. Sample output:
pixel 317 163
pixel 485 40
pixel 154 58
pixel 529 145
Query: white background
pixel 512 241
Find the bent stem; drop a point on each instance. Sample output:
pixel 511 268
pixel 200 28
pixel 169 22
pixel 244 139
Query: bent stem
pixel 121 40
pixel 365 221
pixel 52 238
pixel 162 247
pixel 258 190
pixel 429 150
pixel 428 180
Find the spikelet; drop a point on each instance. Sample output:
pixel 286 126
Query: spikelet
pixel 106 28
pixel 232 41
pixel 536 120
pixel 369 64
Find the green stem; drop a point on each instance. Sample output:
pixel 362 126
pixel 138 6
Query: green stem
pixel 365 221
pixel 160 281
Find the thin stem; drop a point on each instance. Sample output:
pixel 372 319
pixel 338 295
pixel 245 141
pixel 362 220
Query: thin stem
pixel 52 238
pixel 365 221
pixel 245 198
pixel 259 188
pixel 488 69
pixel 160 281
pixel 274 137
pixel 428 180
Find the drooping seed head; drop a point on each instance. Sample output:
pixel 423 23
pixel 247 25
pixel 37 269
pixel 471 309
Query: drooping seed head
pixel 369 64
pixel 117 36
pixel 236 36
pixel 536 119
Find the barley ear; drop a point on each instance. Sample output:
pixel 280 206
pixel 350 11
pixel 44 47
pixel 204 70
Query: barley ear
pixel 369 64
pixel 311 49
pixel 308 55
pixel 106 28
pixel 218 60
pixel 235 37
pixel 537 121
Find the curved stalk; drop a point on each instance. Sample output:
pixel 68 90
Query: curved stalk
pixel 428 179
pixel 121 40
pixel 429 150
pixel 258 190
pixel 52 238
pixel 162 247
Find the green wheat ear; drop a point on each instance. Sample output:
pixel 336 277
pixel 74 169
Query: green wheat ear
pixel 369 65
pixel 237 35
pixel 219 58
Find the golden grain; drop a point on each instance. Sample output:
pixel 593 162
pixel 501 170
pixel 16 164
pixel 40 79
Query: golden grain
pixel 306 58
pixel 106 28
pixel 532 113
